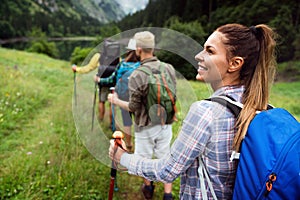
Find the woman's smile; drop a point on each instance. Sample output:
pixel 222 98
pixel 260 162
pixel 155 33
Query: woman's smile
pixel 202 68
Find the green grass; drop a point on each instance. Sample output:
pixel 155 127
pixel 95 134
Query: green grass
pixel 283 94
pixel 287 95
pixel 42 156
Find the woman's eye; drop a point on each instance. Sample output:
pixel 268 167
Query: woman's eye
pixel 209 51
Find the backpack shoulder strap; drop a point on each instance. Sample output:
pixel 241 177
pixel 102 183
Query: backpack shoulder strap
pixel 148 70
pixel 203 176
pixel 227 101
pixel 162 66
pixel 145 68
pixel 230 103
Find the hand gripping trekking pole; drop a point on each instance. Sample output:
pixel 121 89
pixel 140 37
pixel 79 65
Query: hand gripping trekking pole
pixel 117 136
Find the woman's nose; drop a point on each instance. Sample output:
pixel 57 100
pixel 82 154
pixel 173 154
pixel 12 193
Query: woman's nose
pixel 199 57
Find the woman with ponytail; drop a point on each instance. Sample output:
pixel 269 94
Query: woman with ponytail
pixel 239 62
pixel 256 46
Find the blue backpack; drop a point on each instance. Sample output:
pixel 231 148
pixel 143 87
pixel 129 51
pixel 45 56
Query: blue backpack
pixel 123 72
pixel 269 161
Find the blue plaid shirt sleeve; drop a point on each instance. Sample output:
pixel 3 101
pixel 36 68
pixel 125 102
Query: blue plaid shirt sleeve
pixel 184 151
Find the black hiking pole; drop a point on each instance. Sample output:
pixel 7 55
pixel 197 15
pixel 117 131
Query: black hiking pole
pixel 113 128
pixel 94 105
pixel 75 96
pixel 113 125
pixel 117 136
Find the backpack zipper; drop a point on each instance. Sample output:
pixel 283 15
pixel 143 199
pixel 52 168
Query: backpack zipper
pixel 269 182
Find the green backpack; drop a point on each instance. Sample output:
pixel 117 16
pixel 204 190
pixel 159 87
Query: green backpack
pixel 161 97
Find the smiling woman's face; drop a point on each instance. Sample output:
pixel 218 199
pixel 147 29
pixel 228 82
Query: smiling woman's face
pixel 212 61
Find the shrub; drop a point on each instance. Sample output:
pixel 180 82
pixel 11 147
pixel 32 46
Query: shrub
pixel 44 47
pixel 79 54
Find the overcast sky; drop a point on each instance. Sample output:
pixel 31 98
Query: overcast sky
pixel 131 6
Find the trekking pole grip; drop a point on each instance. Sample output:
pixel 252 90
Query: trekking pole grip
pixel 112 89
pixel 118 136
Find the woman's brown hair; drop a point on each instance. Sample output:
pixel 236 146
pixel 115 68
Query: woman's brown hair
pixel 131 56
pixel 257 47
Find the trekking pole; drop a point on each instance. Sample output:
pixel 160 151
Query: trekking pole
pixel 113 128
pixel 113 125
pixel 94 105
pixel 117 136
pixel 75 96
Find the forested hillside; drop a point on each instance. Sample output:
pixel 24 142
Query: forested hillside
pixel 209 14
pixel 56 18
pixel 194 18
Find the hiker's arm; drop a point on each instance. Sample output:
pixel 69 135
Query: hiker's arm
pixel 108 80
pixel 123 104
pixel 93 64
pixel 137 85
pixel 190 143
pixel 114 99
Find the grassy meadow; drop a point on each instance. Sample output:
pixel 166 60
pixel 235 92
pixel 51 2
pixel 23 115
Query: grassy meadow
pixel 41 154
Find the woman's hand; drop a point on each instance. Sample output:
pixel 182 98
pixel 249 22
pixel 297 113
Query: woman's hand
pixel 115 151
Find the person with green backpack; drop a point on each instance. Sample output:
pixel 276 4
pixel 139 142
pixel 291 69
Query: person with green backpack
pixel 152 98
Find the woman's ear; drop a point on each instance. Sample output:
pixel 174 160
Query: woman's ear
pixel 235 64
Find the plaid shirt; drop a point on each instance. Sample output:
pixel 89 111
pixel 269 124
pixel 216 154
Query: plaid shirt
pixel 109 80
pixel 207 132
pixel 119 72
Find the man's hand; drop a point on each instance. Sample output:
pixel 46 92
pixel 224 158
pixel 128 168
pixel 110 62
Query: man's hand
pixel 113 98
pixel 96 79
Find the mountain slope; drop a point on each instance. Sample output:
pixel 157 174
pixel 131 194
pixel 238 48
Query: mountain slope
pixel 56 17
pixel 132 6
pixel 102 10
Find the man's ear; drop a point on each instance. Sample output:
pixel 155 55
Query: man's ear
pixel 235 64
pixel 138 50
